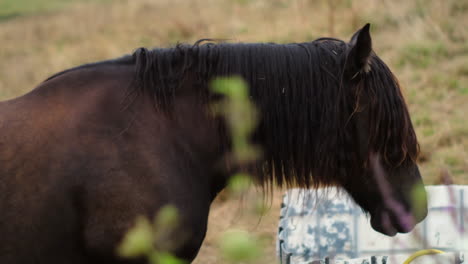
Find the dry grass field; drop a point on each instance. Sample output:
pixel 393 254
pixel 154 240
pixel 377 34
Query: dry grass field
pixel 424 42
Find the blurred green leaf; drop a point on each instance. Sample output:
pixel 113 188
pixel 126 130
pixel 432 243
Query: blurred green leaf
pixel 234 87
pixel 167 218
pixel 165 258
pixel 239 182
pixel 240 115
pixel 239 246
pixel 419 199
pixel 138 241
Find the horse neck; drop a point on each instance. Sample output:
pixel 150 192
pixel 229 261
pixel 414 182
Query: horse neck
pixel 285 88
pixel 297 89
pixel 291 85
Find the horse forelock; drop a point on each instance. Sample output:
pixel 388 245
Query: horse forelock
pixel 298 89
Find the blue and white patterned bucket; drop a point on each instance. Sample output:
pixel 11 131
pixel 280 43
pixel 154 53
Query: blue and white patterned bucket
pixel 326 223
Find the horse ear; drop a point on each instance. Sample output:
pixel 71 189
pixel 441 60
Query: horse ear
pixel 360 52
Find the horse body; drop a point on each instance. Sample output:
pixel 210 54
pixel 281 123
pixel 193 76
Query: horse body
pixel 92 148
pixel 80 176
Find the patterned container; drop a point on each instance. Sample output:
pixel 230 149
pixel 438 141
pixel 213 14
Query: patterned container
pixel 325 225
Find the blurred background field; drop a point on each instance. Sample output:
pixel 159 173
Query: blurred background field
pixel 425 42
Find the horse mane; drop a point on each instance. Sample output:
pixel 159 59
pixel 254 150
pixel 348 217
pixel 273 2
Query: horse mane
pixel 392 133
pixel 304 104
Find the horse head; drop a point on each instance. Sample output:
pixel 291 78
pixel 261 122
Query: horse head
pixel 387 183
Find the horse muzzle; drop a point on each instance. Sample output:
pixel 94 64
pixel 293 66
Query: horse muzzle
pixel 393 218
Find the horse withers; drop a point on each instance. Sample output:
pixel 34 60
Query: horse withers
pixel 93 147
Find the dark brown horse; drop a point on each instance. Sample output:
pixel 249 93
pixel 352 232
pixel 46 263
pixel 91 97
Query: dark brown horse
pixel 91 148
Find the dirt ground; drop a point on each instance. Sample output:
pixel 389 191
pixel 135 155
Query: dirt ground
pixel 237 213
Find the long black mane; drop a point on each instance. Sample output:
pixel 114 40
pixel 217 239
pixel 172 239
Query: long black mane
pixel 305 106
pixel 305 98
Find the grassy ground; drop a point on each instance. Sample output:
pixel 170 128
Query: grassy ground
pixel 424 42
pixel 10 9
